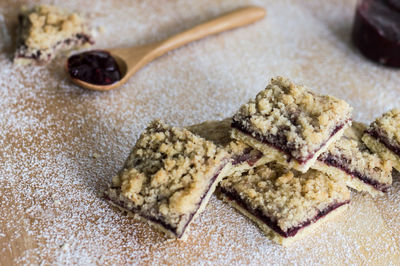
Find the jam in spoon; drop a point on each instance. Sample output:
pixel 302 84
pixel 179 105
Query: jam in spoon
pixel 108 69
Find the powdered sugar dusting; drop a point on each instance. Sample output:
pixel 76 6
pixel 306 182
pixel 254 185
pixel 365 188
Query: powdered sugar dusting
pixel 61 144
pixel 389 206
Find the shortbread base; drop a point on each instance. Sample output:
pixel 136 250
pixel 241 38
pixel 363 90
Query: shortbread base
pixel 156 226
pixel 274 154
pixel 274 236
pixel 24 55
pixel 244 166
pixel 351 181
pixel 379 148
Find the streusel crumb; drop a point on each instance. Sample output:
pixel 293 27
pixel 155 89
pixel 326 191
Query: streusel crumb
pixel 287 197
pixel 168 173
pixel 44 29
pixel 50 24
pixel 291 117
pixel 388 125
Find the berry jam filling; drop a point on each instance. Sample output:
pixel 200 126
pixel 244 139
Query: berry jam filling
pixel 273 224
pixel 341 164
pixel 135 210
pixel 279 141
pixel 95 67
pixel 381 137
pixel 78 39
pixel 249 155
pixel 376 31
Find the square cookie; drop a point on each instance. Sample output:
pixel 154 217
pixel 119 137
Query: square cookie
pixel 291 123
pixel 383 137
pixel 349 159
pixel 243 156
pixel 168 178
pixel 45 30
pixel 285 203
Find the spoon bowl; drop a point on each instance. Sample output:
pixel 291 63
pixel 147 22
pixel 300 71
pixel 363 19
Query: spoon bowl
pixel 131 59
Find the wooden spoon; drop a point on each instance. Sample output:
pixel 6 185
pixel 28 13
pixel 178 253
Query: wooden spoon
pixel 131 59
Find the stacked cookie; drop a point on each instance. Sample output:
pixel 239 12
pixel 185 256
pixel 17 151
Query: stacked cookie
pixel 46 30
pixel 285 160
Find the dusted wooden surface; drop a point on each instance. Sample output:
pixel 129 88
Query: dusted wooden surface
pixel 60 145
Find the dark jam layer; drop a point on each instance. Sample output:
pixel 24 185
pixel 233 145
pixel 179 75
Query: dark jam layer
pixel 273 224
pixel 280 142
pixel 381 137
pixel 376 31
pixel 136 210
pixel 341 164
pixel 159 221
pixel 78 39
pixel 95 67
pixel 249 155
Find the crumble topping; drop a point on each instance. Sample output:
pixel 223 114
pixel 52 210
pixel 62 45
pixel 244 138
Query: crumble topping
pixel 287 197
pixel 292 117
pixel 45 27
pixel 356 157
pixel 388 126
pixel 168 172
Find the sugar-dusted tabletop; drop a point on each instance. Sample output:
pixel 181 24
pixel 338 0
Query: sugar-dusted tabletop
pixel 60 145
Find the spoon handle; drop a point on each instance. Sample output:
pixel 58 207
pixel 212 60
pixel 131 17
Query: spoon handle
pixel 234 19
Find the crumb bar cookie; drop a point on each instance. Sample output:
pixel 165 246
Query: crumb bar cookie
pixel 44 30
pixel 383 137
pixel 350 159
pixel 168 178
pixel 291 123
pixel 284 203
pixel 243 157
